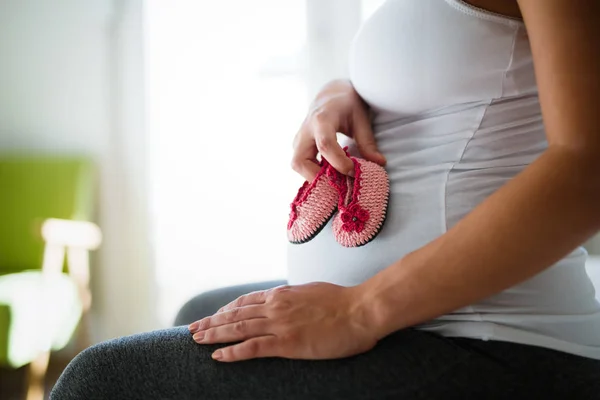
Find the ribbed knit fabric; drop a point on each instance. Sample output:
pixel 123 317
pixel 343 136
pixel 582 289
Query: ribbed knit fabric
pixel 363 207
pixel 312 208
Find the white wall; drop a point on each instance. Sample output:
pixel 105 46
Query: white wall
pixel 71 81
pixel 54 75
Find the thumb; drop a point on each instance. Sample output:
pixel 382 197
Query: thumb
pixel 365 139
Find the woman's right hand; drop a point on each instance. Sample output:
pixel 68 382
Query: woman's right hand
pixel 337 108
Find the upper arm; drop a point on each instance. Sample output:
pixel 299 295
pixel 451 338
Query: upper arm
pixel 565 41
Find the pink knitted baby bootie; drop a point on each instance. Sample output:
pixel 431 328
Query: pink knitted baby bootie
pixel 362 205
pixel 313 207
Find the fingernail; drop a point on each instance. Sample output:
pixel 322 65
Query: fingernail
pixel 217 355
pixel 193 326
pixel 199 336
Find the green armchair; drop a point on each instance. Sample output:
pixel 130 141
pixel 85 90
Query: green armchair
pixel 45 206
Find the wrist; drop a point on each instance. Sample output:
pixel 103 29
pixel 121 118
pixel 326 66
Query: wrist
pixel 371 310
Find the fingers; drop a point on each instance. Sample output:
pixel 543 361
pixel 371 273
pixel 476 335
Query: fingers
pixel 364 138
pixel 264 346
pixel 304 161
pixel 228 317
pixel 339 111
pixel 326 141
pixel 234 332
pixel 306 167
pixel 258 297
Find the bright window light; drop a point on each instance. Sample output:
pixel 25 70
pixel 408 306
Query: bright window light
pixel 226 94
pixel 228 87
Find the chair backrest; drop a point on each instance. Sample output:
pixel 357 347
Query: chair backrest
pixel 32 189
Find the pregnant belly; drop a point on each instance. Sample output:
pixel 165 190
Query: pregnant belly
pixel 414 219
pixel 417 214
pixel 439 171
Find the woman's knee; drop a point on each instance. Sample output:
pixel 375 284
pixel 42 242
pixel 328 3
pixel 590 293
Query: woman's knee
pixel 88 373
pixel 75 378
pixel 120 367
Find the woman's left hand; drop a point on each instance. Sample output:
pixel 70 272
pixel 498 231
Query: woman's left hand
pixel 312 321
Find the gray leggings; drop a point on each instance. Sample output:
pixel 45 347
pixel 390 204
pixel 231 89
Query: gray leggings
pixel 408 364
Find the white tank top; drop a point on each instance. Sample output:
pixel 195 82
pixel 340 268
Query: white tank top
pixel 457 115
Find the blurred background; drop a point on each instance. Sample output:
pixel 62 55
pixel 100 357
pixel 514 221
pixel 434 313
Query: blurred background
pixel 168 125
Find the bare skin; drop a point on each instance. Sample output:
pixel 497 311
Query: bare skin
pixel 523 228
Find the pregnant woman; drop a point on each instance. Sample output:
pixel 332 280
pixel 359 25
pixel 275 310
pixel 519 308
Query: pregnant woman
pixel 485 114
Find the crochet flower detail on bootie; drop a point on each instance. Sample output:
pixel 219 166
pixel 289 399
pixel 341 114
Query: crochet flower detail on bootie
pixel 362 203
pixel 354 218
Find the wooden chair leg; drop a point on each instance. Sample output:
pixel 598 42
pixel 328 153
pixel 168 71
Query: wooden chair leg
pixel 36 375
pixel 79 270
pixel 83 339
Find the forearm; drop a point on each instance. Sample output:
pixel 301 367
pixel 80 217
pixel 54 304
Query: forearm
pixel 526 226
